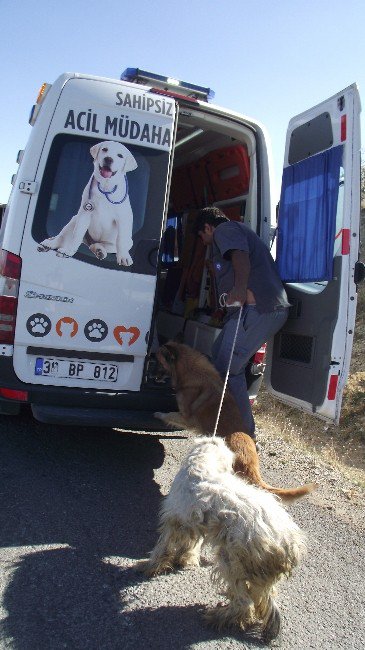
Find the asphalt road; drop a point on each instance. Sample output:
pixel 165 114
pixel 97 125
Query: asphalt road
pixel 78 509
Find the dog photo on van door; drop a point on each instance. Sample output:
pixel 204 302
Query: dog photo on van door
pixel 104 221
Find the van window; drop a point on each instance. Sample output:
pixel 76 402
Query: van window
pixel 68 171
pixel 310 138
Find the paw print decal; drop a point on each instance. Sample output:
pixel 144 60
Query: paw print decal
pixel 38 325
pixel 96 330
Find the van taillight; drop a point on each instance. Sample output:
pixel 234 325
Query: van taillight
pixel 258 361
pixel 10 268
pixel 260 354
pixel 18 395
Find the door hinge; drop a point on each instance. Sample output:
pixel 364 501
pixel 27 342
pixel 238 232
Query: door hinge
pixel 359 274
pixel 341 103
pixel 28 187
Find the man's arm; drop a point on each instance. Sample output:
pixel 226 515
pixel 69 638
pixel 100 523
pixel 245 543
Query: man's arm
pixel 241 268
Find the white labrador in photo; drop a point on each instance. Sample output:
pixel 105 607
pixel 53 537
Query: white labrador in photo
pixel 104 221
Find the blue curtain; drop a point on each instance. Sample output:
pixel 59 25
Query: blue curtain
pixel 307 218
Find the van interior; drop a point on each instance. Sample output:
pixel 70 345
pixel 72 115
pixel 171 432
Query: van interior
pixel 213 165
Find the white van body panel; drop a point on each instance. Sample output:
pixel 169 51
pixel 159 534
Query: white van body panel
pixel 130 306
pixel 110 310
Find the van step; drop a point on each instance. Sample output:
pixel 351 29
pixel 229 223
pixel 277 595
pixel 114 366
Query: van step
pixel 93 417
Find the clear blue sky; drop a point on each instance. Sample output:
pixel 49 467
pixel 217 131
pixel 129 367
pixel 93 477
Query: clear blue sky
pixel 268 59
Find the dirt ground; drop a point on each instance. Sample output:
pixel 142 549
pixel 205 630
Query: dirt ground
pixel 343 445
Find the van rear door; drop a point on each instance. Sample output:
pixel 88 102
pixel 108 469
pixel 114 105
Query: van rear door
pixel 90 243
pixel 317 254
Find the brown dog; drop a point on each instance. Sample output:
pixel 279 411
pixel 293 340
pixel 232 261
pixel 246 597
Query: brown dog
pixel 199 387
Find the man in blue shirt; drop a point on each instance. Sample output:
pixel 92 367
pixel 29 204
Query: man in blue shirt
pixel 246 273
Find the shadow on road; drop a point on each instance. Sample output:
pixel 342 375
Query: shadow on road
pixel 92 490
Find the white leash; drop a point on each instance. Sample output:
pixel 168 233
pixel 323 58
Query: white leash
pixel 229 363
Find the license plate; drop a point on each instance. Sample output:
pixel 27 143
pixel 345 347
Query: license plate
pixel 75 369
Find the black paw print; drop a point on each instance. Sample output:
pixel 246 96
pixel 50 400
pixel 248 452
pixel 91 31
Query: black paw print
pixel 96 330
pixel 38 325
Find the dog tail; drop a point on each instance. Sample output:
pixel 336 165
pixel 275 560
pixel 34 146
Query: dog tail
pixel 247 463
pixel 289 494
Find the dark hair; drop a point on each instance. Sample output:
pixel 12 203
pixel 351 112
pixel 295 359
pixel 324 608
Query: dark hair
pixel 211 215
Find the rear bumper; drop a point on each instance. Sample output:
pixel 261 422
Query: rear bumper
pixel 98 417
pixel 88 407
pixel 77 406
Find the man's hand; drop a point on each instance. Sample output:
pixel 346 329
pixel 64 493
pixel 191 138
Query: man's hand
pixel 236 295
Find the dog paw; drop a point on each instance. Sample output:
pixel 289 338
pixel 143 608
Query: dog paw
pixel 152 569
pixel 99 251
pixel 226 616
pixel 124 260
pixel 159 416
pixel 212 616
pixel 45 245
pixel 141 566
pixel 65 252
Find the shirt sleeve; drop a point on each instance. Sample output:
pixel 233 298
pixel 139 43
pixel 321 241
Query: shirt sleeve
pixel 229 236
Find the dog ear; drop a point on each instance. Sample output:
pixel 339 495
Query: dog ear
pixel 169 353
pixel 95 150
pixel 130 163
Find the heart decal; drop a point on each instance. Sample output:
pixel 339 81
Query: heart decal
pixel 121 329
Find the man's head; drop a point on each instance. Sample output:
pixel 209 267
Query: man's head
pixel 206 222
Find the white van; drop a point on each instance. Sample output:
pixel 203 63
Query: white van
pixel 99 263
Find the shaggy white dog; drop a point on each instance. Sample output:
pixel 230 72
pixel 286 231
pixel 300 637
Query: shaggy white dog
pixel 254 538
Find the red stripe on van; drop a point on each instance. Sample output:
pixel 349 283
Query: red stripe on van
pixel 345 241
pixel 10 269
pixel 343 127
pixel 332 387
pixel 9 393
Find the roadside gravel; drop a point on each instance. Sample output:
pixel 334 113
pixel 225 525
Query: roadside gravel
pixel 322 604
pixel 293 466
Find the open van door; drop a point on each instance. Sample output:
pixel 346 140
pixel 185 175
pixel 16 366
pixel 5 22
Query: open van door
pixel 90 243
pixel 317 256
